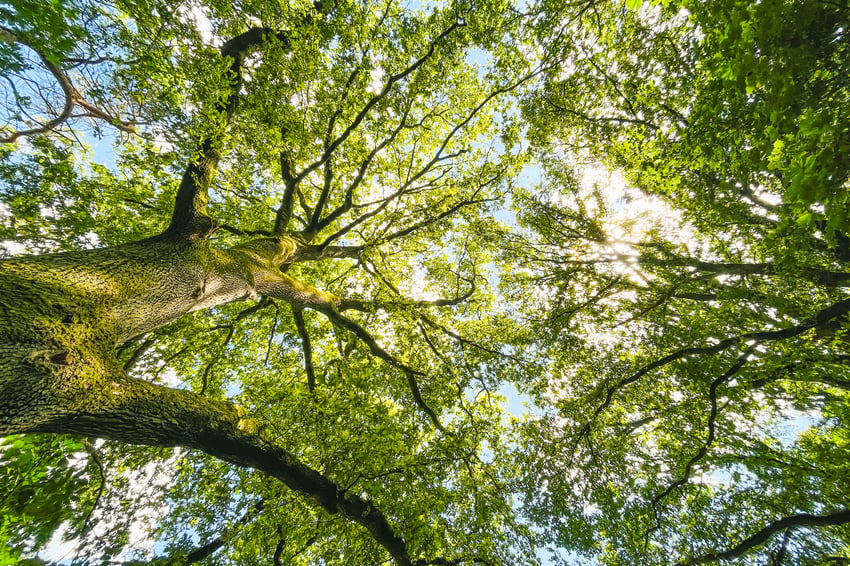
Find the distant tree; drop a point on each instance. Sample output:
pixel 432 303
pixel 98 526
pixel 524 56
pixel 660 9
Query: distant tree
pixel 699 352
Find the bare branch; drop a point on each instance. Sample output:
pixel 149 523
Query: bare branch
pixel 94 111
pixel 64 83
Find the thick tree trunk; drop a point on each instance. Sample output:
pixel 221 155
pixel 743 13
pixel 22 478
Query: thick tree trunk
pixel 61 316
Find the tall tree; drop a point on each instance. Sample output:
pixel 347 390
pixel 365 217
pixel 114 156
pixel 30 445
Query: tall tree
pixel 285 308
pixel 331 165
pixel 695 320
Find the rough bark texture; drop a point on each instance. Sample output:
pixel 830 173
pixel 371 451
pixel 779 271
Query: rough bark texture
pixel 62 315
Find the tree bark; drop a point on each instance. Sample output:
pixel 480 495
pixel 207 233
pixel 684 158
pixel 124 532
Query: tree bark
pixel 61 316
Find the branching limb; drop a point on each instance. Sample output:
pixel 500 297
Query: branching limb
pixel 467 342
pixel 222 430
pixel 371 306
pixel 391 81
pixel 316 253
pixel 786 523
pixel 328 172
pixel 64 82
pixel 95 112
pixel 821 318
pixel 377 351
pixel 72 97
pixel 300 295
pixel 405 189
pixel 298 315
pixel 189 218
pixel 438 157
pixel 434 219
pixel 318 224
pixel 703 450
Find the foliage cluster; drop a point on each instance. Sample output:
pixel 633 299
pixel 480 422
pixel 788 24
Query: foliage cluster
pixel 676 331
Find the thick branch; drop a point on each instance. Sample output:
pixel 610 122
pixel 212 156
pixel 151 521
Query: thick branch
pixel 139 412
pixel 298 315
pixel 189 218
pixel 819 276
pixel 792 522
pixel 287 172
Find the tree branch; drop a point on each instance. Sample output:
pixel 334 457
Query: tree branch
pixel 298 315
pixel 393 79
pixel 819 276
pixel 703 450
pixel 821 318
pixel 378 351
pixel 218 542
pixel 189 218
pixel 64 82
pixel 792 522
pixel 139 412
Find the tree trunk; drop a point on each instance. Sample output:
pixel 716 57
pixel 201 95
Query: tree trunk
pixel 61 316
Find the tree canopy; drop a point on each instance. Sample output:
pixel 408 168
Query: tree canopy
pixel 449 283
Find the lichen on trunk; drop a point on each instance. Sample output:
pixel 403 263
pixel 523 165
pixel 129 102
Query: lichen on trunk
pixel 61 315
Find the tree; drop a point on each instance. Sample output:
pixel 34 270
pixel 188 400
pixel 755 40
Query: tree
pixel 699 355
pixel 332 152
pixel 288 309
